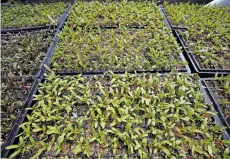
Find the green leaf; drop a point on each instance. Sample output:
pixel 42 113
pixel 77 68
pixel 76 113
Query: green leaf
pixel 53 130
pixel 166 151
pixel 37 128
pixel 99 111
pixel 226 142
pixel 209 149
pixel 113 123
pixel 93 139
pixel 61 139
pixel 77 149
pixel 102 124
pixel 14 154
pixel 58 151
pixel 193 149
pixel 226 151
pixel 137 145
pixel 199 150
pixel 111 108
pixel 21 140
pixel 12 147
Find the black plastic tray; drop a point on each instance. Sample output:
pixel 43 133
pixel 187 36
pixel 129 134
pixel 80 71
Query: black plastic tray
pixel 209 100
pixel 27 29
pixel 12 139
pixel 50 52
pixel 52 48
pixel 215 103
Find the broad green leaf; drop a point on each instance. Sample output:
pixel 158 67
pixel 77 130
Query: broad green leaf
pixel 12 147
pixel 209 149
pixel 166 151
pixel 226 153
pixel 226 142
pixel 61 139
pixel 102 124
pixel 21 140
pixel 93 139
pixel 77 149
pixel 137 145
pixel 15 153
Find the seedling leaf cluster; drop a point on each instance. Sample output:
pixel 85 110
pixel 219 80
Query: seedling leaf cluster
pixel 129 116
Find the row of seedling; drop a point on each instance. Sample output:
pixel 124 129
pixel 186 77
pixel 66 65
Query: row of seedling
pixel 99 50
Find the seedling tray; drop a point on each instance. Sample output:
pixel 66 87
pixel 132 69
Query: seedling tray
pixel 108 153
pixel 189 55
pixel 216 105
pixel 180 57
pixel 52 49
pixel 14 92
pixel 33 28
pixel 168 22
